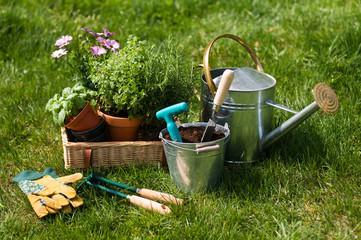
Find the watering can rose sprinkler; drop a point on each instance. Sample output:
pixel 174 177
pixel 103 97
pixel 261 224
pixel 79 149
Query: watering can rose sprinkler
pixel 248 108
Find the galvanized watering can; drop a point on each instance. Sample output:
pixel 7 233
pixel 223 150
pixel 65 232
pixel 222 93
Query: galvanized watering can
pixel 248 108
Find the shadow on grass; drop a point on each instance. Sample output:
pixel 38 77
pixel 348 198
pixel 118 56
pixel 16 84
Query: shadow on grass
pixel 302 145
pixel 302 150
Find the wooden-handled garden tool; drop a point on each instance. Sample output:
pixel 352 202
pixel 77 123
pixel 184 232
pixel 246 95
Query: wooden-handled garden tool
pixel 221 94
pixel 147 199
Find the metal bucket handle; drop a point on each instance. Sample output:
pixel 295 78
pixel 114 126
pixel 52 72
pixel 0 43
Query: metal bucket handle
pixel 200 148
pixel 207 70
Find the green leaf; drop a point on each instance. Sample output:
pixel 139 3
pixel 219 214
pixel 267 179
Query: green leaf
pixel 61 117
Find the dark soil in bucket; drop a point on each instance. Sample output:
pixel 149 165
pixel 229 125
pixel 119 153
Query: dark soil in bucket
pixel 194 134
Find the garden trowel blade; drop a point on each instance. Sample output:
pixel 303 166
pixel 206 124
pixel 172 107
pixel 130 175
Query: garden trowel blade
pixel 207 135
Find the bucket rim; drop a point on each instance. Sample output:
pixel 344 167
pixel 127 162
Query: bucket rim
pixel 197 124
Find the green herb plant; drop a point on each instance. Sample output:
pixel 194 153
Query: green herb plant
pixel 71 101
pixel 140 80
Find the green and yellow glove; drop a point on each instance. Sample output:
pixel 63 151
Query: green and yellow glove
pixel 49 195
pixel 75 201
pixel 38 196
pixel 63 194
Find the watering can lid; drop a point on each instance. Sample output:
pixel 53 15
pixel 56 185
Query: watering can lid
pixel 249 79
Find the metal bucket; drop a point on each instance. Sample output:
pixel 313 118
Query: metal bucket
pixel 196 167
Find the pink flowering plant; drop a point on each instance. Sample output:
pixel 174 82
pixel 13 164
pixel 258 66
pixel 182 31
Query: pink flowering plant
pixel 87 51
pixel 83 54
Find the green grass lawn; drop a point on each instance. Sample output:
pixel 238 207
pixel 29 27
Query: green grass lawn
pixel 307 187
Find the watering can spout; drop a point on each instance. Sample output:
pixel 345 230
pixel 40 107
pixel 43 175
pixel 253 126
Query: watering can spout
pixel 325 98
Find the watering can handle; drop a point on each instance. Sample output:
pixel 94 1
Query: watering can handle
pixel 207 70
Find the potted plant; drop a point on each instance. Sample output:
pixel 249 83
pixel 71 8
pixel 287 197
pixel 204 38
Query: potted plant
pixel 131 82
pixel 72 109
pixel 135 83
pixel 81 98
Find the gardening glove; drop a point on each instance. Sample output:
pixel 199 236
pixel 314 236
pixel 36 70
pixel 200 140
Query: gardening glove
pixel 70 178
pixel 65 203
pixel 42 204
pixel 31 175
pixel 63 194
pixel 56 186
pixel 76 201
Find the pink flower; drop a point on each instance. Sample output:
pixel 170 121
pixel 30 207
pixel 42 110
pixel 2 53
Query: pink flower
pixel 97 51
pixel 112 44
pixel 63 41
pixel 101 41
pixel 107 33
pixel 92 32
pixel 59 53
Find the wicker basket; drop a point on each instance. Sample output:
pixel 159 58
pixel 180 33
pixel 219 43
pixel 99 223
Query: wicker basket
pixel 81 155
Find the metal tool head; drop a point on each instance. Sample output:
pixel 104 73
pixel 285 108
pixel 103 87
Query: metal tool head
pixel 91 178
pixel 86 180
pixel 208 132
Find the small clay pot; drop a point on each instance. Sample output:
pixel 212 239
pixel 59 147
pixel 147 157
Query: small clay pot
pixel 85 120
pixel 97 134
pixel 122 129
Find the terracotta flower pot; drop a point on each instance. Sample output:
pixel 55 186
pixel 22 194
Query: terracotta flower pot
pixel 121 129
pixel 85 120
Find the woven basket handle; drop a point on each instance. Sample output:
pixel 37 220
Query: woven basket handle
pixel 207 70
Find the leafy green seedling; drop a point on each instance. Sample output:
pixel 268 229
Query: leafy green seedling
pixel 69 103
